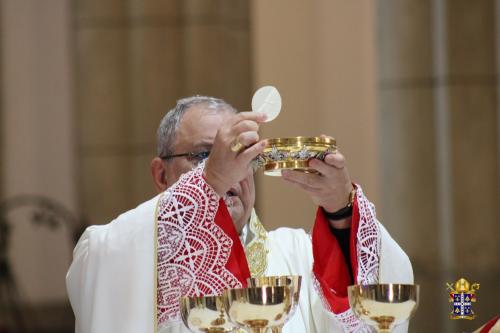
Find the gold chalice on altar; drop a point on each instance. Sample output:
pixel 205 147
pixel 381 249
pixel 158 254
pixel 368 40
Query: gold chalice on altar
pixel 383 306
pixel 205 314
pixel 291 281
pixel 258 309
pixel 293 154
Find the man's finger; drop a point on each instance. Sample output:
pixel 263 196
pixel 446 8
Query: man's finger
pixel 306 188
pixel 309 179
pixel 245 188
pixel 244 126
pixel 322 167
pixel 249 115
pixel 251 152
pixel 337 160
pixel 248 138
pixel 324 136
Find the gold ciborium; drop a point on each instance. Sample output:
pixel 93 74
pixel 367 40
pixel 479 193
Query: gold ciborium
pixel 293 154
pixel 291 281
pixel 383 306
pixel 258 309
pixel 205 314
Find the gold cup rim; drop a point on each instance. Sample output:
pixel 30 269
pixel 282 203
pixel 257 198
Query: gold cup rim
pixel 405 291
pixel 273 278
pixel 301 141
pixel 239 290
pixel 200 298
pixel 384 285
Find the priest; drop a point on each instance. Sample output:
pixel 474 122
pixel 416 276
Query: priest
pixel 201 235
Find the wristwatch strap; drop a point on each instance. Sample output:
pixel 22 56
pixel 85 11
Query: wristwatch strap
pixel 344 212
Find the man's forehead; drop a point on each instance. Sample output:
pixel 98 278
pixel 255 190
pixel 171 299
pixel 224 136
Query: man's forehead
pixel 199 125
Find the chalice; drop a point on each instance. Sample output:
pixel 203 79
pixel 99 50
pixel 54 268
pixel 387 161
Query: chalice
pixel 293 153
pixel 258 309
pixel 291 281
pixel 383 306
pixel 205 314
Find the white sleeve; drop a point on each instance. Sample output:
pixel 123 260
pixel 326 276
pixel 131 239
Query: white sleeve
pixel 80 281
pixel 110 282
pixel 395 266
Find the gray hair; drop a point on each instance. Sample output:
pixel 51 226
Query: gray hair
pixel 165 136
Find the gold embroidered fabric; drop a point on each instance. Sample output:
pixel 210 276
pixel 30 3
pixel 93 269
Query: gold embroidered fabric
pixel 256 250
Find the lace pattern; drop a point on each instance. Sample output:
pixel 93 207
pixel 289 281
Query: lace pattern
pixel 192 250
pixel 347 319
pixel 368 245
pixel 368 241
pixel 350 323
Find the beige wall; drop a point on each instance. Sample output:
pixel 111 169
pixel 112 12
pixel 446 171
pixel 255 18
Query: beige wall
pixel 320 55
pixel 135 59
pixel 38 137
pixel 439 131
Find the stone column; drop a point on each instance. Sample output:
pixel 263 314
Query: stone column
pixel 471 87
pixel 439 147
pixel 407 143
pixel 103 108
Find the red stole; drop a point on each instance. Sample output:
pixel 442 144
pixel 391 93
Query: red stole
pixel 237 263
pixel 329 266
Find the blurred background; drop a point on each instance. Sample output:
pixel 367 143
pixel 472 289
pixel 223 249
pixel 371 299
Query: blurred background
pixel 409 88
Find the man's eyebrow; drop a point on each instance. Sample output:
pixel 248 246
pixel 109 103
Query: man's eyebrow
pixel 203 144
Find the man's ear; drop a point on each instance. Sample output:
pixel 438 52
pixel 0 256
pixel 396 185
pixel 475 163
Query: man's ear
pixel 158 172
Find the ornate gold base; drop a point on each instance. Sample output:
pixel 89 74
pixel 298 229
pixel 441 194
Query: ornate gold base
pixel 274 168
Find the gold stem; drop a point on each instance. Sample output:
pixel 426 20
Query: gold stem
pixel 259 330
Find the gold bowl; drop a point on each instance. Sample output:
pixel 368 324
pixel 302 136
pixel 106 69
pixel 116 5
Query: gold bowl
pixel 384 306
pixel 291 281
pixel 205 314
pixel 258 309
pixel 293 154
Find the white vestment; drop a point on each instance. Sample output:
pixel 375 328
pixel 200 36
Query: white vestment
pixel 112 280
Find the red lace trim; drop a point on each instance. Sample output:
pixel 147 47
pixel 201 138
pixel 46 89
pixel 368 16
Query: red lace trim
pixel 197 246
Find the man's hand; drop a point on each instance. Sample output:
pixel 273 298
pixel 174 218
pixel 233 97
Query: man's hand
pixel 225 167
pixel 331 188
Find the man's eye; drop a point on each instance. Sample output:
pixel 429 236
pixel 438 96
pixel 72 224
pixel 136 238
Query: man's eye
pixel 202 155
pixel 197 158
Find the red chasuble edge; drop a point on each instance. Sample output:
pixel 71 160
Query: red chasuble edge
pixel 237 263
pixel 329 268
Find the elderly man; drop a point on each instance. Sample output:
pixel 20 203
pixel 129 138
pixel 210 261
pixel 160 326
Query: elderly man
pixel 200 235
